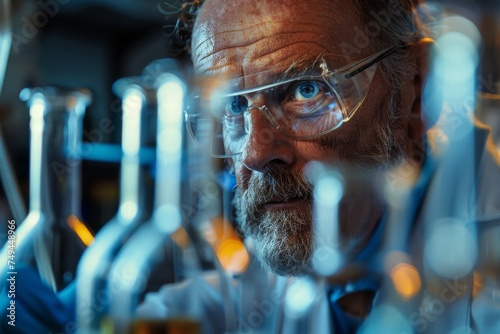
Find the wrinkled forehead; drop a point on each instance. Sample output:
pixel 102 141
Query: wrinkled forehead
pixel 237 80
pixel 255 44
pixel 303 68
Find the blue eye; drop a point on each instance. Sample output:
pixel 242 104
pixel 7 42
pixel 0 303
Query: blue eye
pixel 237 105
pixel 306 90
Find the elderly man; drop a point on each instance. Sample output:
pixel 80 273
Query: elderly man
pixel 370 118
pixel 286 108
pixel 339 82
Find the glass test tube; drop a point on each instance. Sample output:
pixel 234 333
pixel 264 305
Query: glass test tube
pixel 53 234
pixel 134 262
pixel 92 301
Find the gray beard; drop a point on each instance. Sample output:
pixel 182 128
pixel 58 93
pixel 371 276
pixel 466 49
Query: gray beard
pixel 283 239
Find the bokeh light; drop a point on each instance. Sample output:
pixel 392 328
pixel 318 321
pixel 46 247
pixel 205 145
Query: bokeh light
pixel 228 247
pixel 233 256
pixel 451 249
pixel 81 230
pixel 385 319
pixel 406 280
pixel 299 297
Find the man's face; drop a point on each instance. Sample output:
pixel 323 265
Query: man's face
pixel 274 200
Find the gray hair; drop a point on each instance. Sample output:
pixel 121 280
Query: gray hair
pixel 403 24
pixel 398 22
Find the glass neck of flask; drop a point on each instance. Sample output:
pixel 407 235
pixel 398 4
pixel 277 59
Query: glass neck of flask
pixel 134 200
pixel 56 121
pixel 169 142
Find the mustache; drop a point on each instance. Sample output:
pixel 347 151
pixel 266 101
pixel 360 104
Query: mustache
pixel 278 184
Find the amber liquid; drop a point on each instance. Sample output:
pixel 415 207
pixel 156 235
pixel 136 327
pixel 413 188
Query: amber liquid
pixel 167 326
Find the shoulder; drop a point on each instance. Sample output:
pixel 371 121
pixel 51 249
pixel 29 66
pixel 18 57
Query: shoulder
pixel 466 178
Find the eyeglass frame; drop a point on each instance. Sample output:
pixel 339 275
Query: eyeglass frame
pixel 346 72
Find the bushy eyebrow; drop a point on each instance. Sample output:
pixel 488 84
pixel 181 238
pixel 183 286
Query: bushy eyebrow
pixel 301 67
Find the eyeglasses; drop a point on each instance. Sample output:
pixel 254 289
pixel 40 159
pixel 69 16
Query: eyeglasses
pixel 303 102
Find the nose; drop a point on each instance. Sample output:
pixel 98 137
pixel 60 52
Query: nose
pixel 265 143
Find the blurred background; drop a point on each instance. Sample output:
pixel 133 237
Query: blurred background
pixel 75 44
pixel 92 43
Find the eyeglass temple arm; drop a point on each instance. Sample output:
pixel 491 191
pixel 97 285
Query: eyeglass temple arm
pixel 367 62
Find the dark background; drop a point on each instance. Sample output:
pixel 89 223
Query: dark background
pixel 87 44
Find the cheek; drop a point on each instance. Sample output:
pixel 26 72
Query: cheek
pixel 361 135
pixel 312 150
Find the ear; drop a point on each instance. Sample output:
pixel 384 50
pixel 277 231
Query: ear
pixel 419 121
